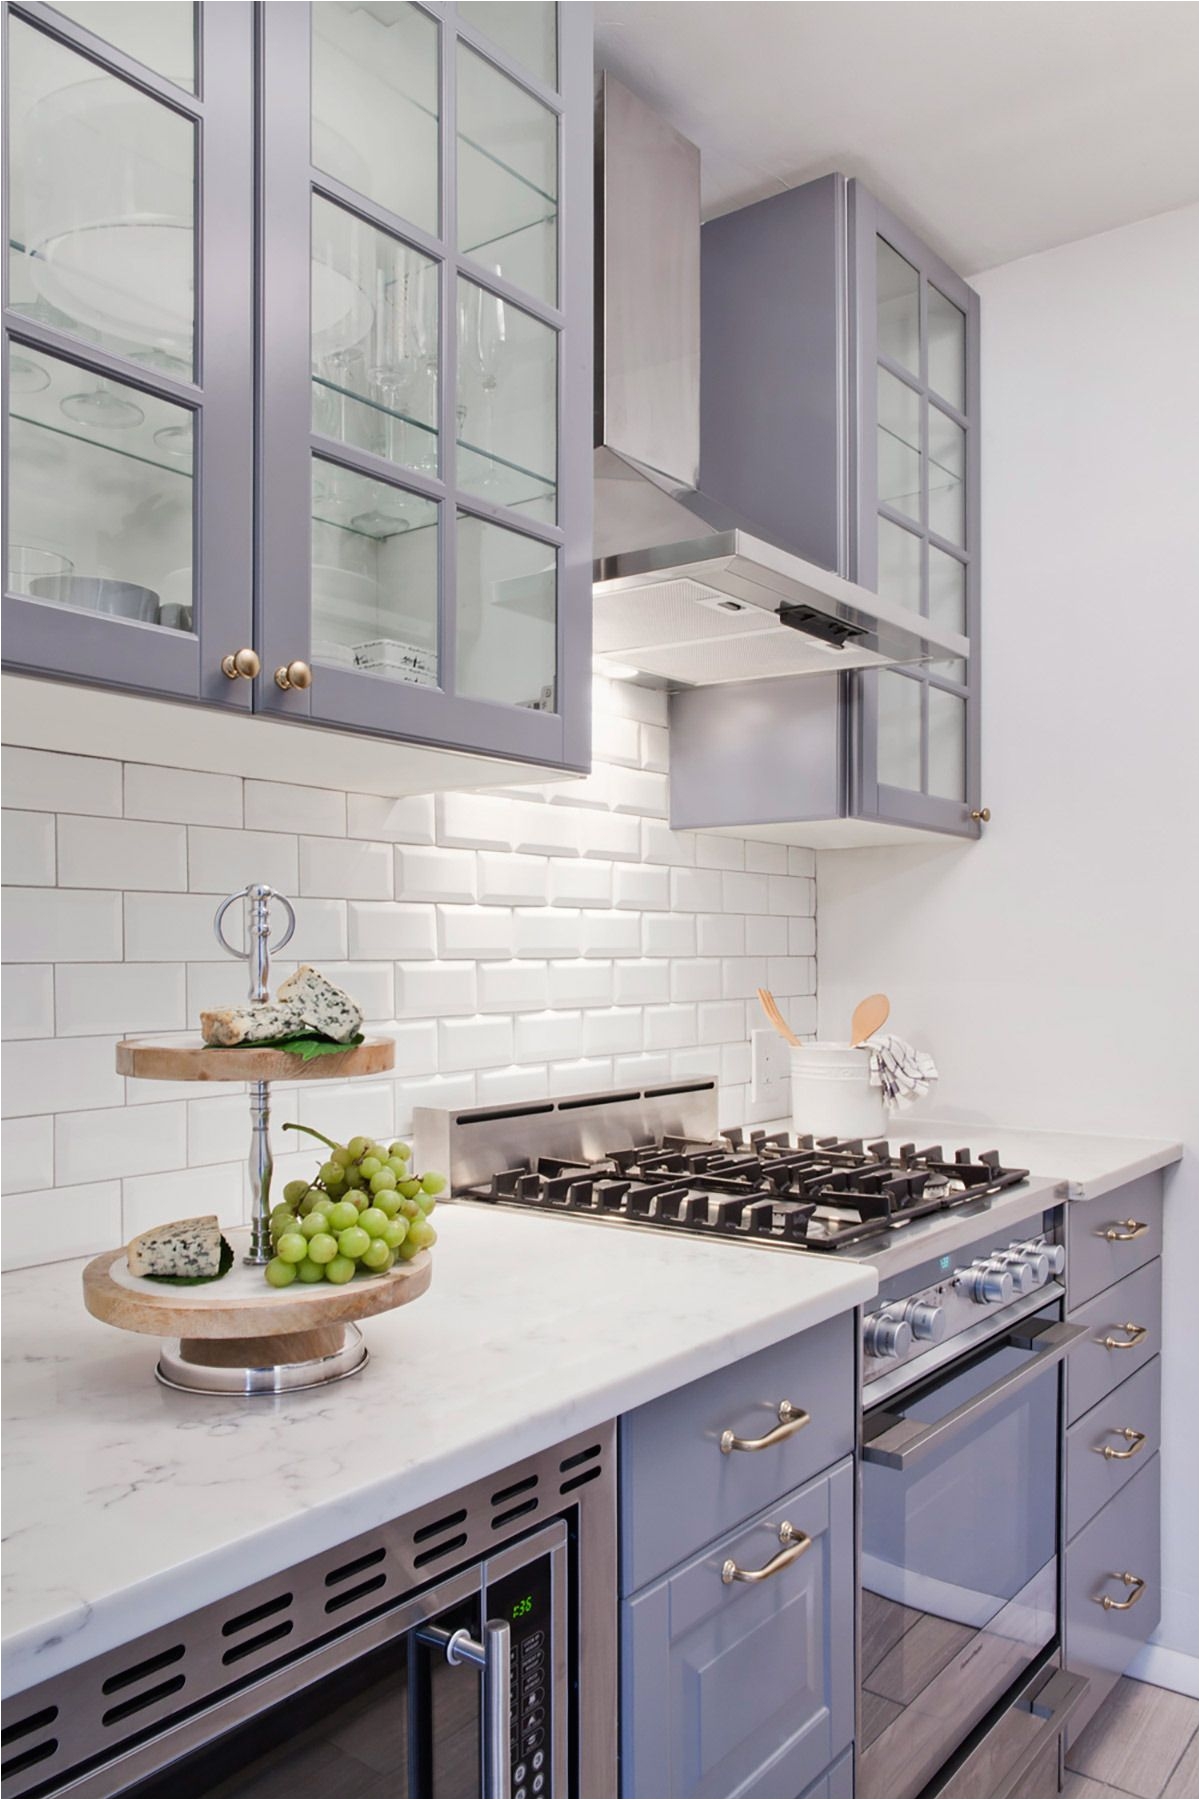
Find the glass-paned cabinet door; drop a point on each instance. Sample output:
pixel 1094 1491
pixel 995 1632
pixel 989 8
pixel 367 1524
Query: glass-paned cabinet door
pixel 424 539
pixel 917 738
pixel 128 323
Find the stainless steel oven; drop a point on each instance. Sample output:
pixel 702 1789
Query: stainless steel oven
pixel 959 1510
pixel 466 1650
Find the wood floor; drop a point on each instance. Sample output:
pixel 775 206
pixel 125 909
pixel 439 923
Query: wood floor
pixel 1142 1742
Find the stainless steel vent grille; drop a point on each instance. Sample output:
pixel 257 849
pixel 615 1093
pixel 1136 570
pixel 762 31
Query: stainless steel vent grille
pixel 134 1694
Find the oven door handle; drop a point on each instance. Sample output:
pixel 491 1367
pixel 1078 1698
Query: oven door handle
pixel 898 1443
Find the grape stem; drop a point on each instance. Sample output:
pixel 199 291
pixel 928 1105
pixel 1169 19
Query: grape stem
pixel 312 1133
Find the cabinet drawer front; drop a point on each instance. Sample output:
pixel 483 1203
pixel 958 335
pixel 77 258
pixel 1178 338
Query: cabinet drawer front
pixel 1124 1330
pixel 679 1490
pixel 837 1783
pixel 1123 1538
pixel 1094 1477
pixel 745 1687
pixel 1095 1259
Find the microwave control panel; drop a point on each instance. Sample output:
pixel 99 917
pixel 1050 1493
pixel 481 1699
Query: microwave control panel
pixel 524 1600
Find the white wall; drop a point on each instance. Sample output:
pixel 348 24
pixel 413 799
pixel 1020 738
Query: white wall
pixel 1052 967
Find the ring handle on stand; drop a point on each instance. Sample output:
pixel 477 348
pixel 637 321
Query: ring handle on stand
pixel 260 892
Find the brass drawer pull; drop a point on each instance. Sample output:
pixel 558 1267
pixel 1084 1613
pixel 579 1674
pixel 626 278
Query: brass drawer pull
pixel 1135 1440
pixel 1124 1231
pixel 791 1419
pixel 1131 1581
pixel 795 1544
pixel 1136 1334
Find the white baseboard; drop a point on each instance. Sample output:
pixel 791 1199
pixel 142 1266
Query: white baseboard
pixel 1167 1669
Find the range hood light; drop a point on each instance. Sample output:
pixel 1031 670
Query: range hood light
pixel 615 671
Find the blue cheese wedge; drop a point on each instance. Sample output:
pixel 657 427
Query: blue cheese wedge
pixel 250 1024
pixel 322 1006
pixel 188 1247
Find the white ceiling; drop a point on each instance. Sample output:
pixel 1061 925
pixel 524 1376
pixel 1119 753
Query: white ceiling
pixel 995 128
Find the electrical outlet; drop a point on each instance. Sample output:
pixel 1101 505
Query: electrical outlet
pixel 770 1072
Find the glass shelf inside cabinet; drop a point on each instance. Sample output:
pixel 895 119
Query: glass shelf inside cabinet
pixel 507 403
pixel 374 576
pixel 507 178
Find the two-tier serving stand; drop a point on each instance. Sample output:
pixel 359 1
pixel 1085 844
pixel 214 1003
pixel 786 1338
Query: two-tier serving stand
pixel 238 1335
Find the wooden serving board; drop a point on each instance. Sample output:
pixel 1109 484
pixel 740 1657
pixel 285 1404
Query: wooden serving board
pixel 241 1305
pixel 194 1060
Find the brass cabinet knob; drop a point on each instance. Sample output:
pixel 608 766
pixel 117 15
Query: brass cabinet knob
pixel 242 662
pixel 293 675
pixel 983 816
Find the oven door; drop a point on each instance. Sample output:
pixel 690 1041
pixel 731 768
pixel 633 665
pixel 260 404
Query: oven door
pixel 959 1549
pixel 461 1691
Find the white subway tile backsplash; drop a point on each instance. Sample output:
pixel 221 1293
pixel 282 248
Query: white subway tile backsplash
pixel 641 791
pixel 345 870
pixel 662 845
pixel 429 874
pixel 391 929
pixel 647 705
pixel 580 883
pixel 120 1140
pixel 475 821
pixel 742 976
pixel 610 934
pixel 431 989
pixel 507 880
pixel 480 1042
pixel 342 1109
pixel 641 982
pixel 696 1062
pixel 474 931
pixel 280 806
pixel 714 851
pixel 590 790
pixel 548 1036
pixel 696 890
pixel 585 1075
pixel 547 931
pixel 610 835
pixel 88 1221
pixel 767 935
pixel 720 934
pixel 744 893
pixel 615 739
pixel 91 998
pixel 182 796
pixel 148 1200
pixel 121 853
pixel 801 862
pixel 791 975
pixel 696 978
pixel 669 934
pixel 735 1064
pixel 28 855
pixel 372 984
pixel 513 1085
pixel 174 928
pixel 46 781
pixel 57 924
pixel 642 1070
pixel 28 1154
pixel 409 820
pixel 544 830
pixel 641 887
pixel 791 895
pixel 320 931
pixel 416 1045
pixel 442 1091
pixel 802 937
pixel 575 982
pixel 669 1027
pixel 654 747
pixel 766 859
pixel 513 986
pixel 722 1022
pixel 220 861
pixel 27 994
pixel 609 1029
pixel 218 1126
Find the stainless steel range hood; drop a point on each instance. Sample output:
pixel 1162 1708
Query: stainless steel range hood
pixel 685 592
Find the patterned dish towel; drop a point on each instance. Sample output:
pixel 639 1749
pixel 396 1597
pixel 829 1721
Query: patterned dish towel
pixel 903 1073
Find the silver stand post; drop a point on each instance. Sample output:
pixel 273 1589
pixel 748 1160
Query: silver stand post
pixel 258 953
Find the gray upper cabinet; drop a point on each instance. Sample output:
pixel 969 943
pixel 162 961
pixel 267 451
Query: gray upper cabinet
pixel 425 506
pixel 128 324
pixel 381 374
pixel 840 412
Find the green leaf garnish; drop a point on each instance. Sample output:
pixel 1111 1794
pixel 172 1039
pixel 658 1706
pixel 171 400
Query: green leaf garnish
pixel 304 1044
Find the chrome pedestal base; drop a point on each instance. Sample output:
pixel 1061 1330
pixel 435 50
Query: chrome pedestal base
pixel 191 1365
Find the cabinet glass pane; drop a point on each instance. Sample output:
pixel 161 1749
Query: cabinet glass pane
pixel 947 590
pixel 947 349
pixel 100 493
pixel 897 304
pixel 375 104
pixel 947 477
pixel 374 340
pixel 374 576
pixel 899 433
pixel 947 745
pixel 526 29
pixel 899 565
pixel 161 35
pixel 899 736
pixel 507 615
pixel 507 178
pixel 101 198
pixel 507 403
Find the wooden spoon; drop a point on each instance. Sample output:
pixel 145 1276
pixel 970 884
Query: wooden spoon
pixel 869 1015
pixel 771 1008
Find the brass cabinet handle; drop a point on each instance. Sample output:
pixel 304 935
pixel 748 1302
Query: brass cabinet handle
pixel 1136 1334
pixel 1124 1231
pixel 293 675
pixel 983 815
pixel 791 1419
pixel 1131 1581
pixel 241 662
pixel 1135 1440
pixel 795 1544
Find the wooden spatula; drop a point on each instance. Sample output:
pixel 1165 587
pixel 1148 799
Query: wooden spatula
pixel 869 1015
pixel 770 1007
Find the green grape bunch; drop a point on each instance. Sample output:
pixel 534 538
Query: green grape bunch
pixel 364 1211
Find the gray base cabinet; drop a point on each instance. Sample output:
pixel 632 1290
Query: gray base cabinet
pixel 837 1783
pixel 1111 1599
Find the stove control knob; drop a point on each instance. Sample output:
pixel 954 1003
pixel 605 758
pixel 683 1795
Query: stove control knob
pixel 887 1334
pixel 1058 1257
pixel 988 1284
pixel 1023 1278
pixel 927 1320
pixel 1034 1258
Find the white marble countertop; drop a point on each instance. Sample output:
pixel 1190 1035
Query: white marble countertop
pixel 127 1504
pixel 1082 1166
